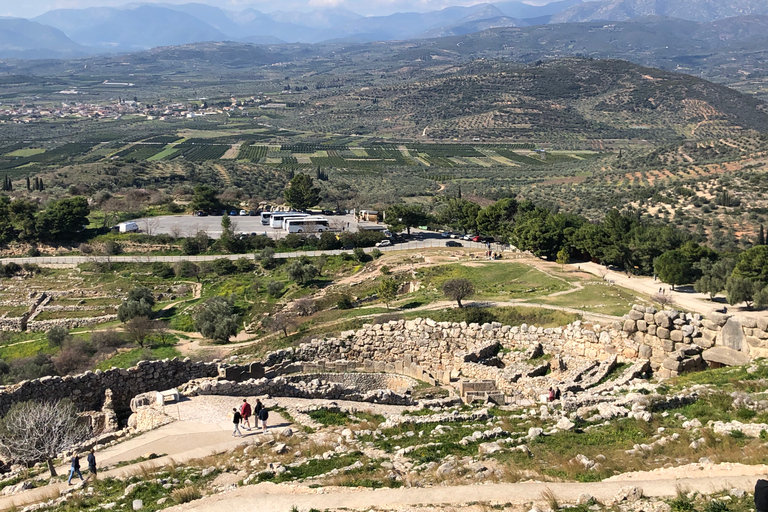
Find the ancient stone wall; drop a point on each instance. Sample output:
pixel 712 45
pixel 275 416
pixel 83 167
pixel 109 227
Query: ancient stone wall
pixel 675 342
pixel 87 390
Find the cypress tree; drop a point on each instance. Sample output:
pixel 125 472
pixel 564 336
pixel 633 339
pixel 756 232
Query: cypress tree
pixel 29 186
pixel 761 236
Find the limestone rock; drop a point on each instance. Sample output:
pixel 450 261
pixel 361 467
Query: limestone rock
pixel 629 494
pixel 732 335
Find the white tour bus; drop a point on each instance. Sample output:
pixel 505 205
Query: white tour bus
pixel 265 218
pixel 311 224
pixel 278 217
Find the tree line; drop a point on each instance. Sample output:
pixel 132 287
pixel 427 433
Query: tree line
pixel 22 220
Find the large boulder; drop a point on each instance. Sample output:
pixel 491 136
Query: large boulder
pixel 732 336
pixel 725 356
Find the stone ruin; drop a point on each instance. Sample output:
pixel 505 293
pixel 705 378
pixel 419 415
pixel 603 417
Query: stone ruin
pixel 383 362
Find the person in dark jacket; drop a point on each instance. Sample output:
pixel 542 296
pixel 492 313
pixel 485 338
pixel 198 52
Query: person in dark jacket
pixel 236 418
pixel 263 416
pixel 761 496
pixel 257 407
pixel 75 468
pixel 91 465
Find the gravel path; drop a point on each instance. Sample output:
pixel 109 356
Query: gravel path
pixel 267 497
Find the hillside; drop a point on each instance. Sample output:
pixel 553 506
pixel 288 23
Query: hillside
pixel 20 38
pixel 563 98
pixel 695 10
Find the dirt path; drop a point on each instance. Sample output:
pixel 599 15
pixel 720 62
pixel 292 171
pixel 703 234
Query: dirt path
pixel 268 497
pixel 224 174
pixel 686 299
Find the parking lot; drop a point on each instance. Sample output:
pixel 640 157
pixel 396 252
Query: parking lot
pixel 190 225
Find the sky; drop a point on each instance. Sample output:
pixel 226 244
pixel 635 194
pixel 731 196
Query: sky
pixel 32 8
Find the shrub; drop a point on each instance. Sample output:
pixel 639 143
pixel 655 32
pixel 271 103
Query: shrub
pixel 458 289
pixel 359 254
pixel 344 302
pixel 105 341
pixel 139 303
pixel 186 494
pixel 385 270
pixel 223 266
pixel 74 357
pixel 275 288
pixel 112 248
pixel 267 258
pixel 375 253
pixel 186 269
pixel 305 306
pixel 56 336
pixel 244 265
pixel 162 270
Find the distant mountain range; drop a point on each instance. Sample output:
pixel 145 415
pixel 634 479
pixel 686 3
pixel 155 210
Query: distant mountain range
pixel 73 32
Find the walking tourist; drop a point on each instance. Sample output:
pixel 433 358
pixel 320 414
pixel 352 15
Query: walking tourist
pixel 75 468
pixel 236 418
pixel 245 412
pixel 263 416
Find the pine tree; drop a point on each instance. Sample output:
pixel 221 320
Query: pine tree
pixel 459 191
pixel 761 236
pixel 29 186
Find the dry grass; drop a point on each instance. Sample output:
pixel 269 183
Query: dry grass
pixel 186 494
pixel 549 496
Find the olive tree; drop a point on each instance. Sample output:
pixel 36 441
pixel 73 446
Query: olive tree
pixel 217 319
pixel 38 431
pixel 458 289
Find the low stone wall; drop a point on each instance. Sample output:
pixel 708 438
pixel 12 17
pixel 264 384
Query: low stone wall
pixel 364 382
pixel 69 323
pixel 87 390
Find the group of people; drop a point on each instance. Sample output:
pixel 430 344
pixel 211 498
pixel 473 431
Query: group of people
pixel 554 394
pixel 242 417
pixel 75 467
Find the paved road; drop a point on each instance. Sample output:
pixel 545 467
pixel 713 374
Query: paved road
pixel 44 261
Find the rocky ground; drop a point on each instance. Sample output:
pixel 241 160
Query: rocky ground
pixel 600 449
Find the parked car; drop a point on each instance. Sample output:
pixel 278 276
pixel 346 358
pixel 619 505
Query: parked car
pixel 468 237
pixel 200 213
pixel 384 243
pixel 243 213
pixel 455 235
pixel 477 238
pixel 232 213
pixel 446 234
pixel 453 243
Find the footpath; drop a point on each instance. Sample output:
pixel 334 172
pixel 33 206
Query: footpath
pixel 268 497
pixel 177 442
pixel 685 298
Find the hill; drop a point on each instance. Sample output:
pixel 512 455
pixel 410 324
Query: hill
pixel 695 10
pixel 24 39
pixel 563 98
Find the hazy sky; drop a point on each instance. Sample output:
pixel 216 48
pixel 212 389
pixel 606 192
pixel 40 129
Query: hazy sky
pixel 31 8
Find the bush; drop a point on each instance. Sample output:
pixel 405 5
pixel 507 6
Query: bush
pixel 344 302
pixel 305 306
pixel 106 341
pixel 56 336
pixel 74 357
pixel 162 270
pixel 186 269
pixel 359 254
pixel 112 248
pixel 275 288
pixel 31 268
pixel 223 266
pixel 267 258
pixel 375 253
pixel 186 494
pixel 244 265
pixel 139 303
pixel 385 270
